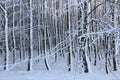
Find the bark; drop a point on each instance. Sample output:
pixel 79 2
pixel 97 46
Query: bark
pixel 6 63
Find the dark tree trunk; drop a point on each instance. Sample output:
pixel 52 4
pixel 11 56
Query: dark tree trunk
pixel 85 64
pixel 106 69
pixel 69 59
pixel 29 55
pixel 114 62
pixel 46 65
pixel 4 60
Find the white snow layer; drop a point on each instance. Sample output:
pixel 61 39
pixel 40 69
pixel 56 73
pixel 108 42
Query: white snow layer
pixel 57 75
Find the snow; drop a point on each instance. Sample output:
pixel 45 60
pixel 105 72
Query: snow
pixel 59 72
pixel 56 75
pixel 74 27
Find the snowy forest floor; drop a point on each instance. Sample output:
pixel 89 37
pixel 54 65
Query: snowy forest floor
pixel 57 75
pixel 58 72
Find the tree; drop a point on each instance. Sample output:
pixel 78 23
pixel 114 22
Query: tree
pixel 14 40
pixel 30 61
pixel 6 59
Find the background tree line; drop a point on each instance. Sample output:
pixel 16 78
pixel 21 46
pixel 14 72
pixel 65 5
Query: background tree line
pixel 84 32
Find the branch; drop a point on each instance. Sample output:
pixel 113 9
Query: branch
pixel 100 32
pixel 3 8
pixel 95 8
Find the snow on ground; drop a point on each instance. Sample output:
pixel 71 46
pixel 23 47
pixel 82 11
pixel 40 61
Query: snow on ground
pixel 56 75
pixel 59 71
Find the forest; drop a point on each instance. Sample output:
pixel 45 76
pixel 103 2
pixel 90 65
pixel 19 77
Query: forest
pixel 77 35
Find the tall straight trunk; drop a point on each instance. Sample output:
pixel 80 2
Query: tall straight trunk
pixel 84 40
pixel 6 40
pixel 69 26
pixel 6 64
pixel 45 36
pixel 30 62
pixel 88 9
pixel 117 29
pixel 31 35
pixel 14 41
pixel 117 37
pixel 23 32
pixel 39 36
pixel 21 41
pixel 56 29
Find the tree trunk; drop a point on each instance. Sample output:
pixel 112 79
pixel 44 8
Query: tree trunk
pixel 6 63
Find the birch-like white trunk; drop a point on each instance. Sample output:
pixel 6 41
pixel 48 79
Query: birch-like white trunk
pixel 14 41
pixel 6 37
pixel 117 37
pixel 6 40
pixel 39 31
pixel 31 36
pixel 21 46
pixel 69 13
pixel 45 37
pixel 117 29
pixel 87 41
pixel 56 27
